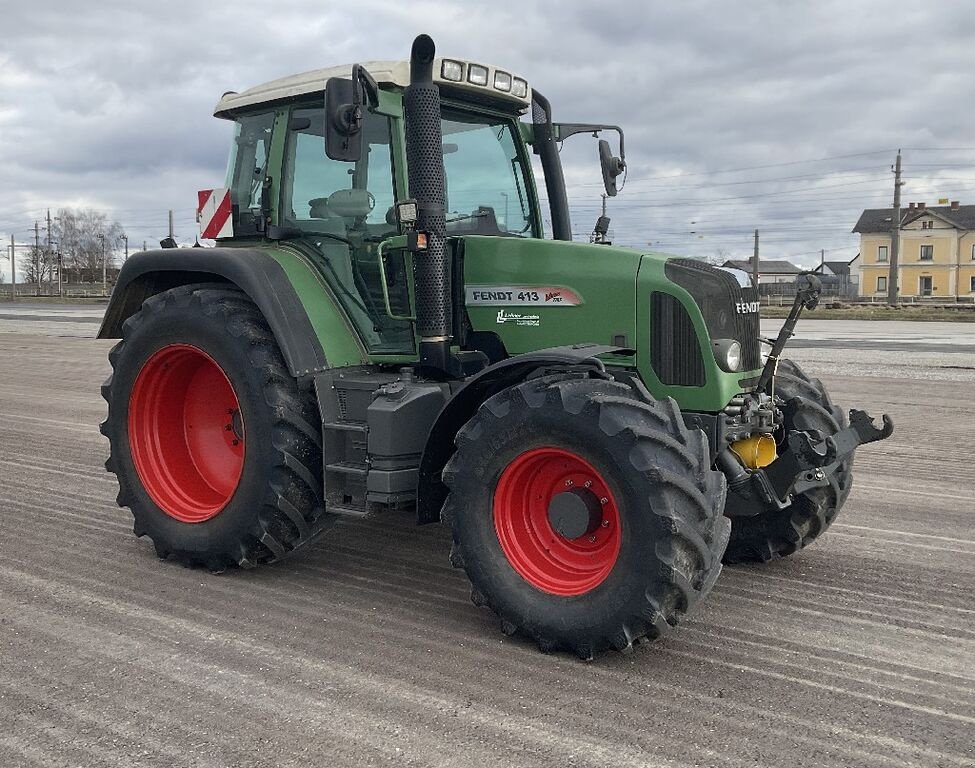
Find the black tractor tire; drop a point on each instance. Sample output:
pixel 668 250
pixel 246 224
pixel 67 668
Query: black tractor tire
pixel 778 533
pixel 275 504
pixel 672 531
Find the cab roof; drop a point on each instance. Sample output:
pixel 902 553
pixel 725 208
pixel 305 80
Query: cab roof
pixel 395 73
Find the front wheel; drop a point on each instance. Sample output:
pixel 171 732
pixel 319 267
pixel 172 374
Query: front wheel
pixel 584 516
pixel 214 445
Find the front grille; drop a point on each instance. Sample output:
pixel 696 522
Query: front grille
pixel 720 296
pixel 675 352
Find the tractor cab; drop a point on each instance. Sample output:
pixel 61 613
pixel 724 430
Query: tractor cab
pixel 292 179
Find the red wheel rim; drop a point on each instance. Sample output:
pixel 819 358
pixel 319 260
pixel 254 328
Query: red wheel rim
pixel 540 554
pixel 186 433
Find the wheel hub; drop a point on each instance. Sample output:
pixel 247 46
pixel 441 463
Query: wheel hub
pixel 575 513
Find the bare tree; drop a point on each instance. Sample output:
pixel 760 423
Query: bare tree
pixel 84 237
pixel 31 265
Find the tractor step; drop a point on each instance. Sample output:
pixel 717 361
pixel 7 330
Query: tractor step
pixel 345 426
pixel 338 509
pixel 348 468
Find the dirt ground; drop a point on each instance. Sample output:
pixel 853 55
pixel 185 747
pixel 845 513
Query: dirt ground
pixel 365 649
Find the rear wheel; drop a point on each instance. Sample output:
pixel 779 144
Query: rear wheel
pixel 778 533
pixel 585 517
pixel 215 447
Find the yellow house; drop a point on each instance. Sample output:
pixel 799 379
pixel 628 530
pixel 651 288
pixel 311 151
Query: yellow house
pixel 936 256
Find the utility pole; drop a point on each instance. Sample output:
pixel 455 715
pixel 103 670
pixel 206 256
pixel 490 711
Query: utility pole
pixel 755 263
pixel 822 261
pixel 37 258
pixel 13 269
pixel 104 267
pixel 170 224
pixel 143 245
pixel 125 238
pixel 895 235
pixel 47 251
pixel 604 204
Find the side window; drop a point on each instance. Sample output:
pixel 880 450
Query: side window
pixel 247 168
pixel 324 195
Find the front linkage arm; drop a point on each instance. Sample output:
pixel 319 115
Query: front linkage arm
pixel 808 288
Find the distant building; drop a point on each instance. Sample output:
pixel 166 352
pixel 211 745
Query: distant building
pixel 936 256
pixel 769 270
pixel 840 278
pixel 837 268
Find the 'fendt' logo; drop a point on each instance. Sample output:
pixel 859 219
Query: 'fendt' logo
pixel 747 307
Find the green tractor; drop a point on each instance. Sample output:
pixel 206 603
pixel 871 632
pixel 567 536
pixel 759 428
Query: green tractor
pixel 383 323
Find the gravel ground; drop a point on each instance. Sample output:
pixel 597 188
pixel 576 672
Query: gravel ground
pixel 365 649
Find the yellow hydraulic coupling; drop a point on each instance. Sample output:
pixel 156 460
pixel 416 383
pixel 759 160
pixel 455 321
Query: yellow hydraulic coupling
pixel 756 451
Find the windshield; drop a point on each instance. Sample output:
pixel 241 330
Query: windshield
pixel 486 192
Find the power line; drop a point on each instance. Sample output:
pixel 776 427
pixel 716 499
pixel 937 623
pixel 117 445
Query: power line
pixel 767 165
pixel 769 180
pixel 937 149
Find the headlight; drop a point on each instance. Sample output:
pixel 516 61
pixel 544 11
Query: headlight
pixel 728 354
pixel 477 74
pixel 520 88
pixel 502 81
pixel 452 70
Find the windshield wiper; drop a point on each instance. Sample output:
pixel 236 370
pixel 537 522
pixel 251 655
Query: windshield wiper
pixel 466 216
pixel 288 233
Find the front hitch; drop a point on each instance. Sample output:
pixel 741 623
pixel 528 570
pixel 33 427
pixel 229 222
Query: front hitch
pixel 808 462
pixel 861 431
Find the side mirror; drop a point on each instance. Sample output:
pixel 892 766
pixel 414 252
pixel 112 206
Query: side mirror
pixel 343 121
pixel 612 167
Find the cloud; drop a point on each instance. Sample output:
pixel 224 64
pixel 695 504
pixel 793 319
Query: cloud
pixel 109 104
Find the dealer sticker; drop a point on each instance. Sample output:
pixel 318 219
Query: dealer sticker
pixel 521 296
pixel 518 319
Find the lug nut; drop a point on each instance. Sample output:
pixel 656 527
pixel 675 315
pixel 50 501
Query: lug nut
pixel 568 482
pixel 605 523
pixel 592 539
pixel 588 483
pixel 604 500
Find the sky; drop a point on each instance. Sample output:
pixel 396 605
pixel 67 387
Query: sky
pixel 779 115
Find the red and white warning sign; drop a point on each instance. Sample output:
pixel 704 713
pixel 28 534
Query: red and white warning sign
pixel 213 212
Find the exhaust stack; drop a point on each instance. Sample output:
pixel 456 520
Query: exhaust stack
pixel 424 156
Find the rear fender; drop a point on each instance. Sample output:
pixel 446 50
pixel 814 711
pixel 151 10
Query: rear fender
pixel 252 270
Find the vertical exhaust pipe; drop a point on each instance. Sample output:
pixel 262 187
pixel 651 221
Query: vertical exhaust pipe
pixel 424 155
